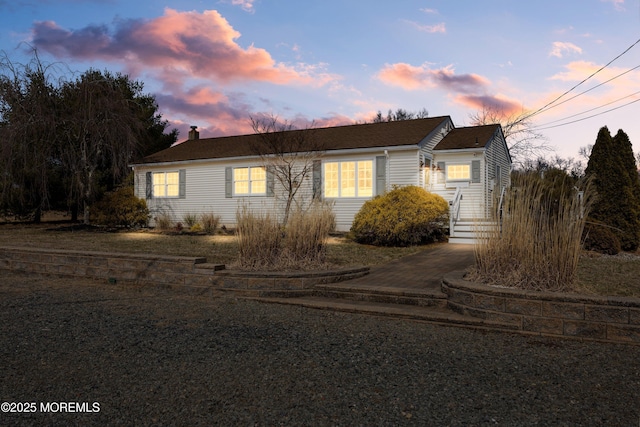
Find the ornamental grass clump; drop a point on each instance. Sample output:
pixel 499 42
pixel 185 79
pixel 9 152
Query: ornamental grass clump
pixel 404 216
pixel 539 242
pixel 210 222
pixel 259 239
pixel 190 219
pixel 306 233
pixel 265 244
pixel 163 222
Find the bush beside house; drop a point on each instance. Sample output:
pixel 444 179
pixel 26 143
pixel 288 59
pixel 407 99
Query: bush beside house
pixel 402 217
pixel 121 208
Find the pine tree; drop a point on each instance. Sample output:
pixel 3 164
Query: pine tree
pixel 612 167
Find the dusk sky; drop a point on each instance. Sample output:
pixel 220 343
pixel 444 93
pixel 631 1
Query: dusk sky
pixel 216 63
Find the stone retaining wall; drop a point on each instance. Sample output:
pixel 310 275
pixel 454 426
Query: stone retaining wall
pixel 276 280
pixel 138 268
pixel 570 315
pixel 178 272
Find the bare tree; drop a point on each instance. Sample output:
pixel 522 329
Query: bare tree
pixel 289 154
pixel 585 152
pixel 523 140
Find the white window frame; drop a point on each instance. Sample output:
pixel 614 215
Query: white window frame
pixel 250 182
pixel 165 186
pixel 357 189
pixel 449 165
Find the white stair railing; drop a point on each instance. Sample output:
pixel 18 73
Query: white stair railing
pixel 500 209
pixel 454 211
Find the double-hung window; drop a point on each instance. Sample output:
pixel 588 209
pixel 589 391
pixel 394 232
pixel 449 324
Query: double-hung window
pixel 348 179
pixel 166 184
pixel 458 172
pixel 249 180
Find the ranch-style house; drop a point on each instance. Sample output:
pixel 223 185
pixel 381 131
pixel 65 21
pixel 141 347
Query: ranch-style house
pixel 467 166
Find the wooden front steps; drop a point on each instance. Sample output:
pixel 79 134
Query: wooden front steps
pixel 469 231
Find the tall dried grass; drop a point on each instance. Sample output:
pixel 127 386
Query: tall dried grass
pixel 304 244
pixel 163 222
pixel 265 245
pixel 539 243
pixel 210 222
pixel 190 219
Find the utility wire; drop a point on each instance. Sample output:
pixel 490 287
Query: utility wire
pixel 589 117
pixel 548 105
pixel 587 111
pixel 595 87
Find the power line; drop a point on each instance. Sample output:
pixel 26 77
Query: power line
pixel 587 111
pixel 595 87
pixel 590 117
pixel 548 105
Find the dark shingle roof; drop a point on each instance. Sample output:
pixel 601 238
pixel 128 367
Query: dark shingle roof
pixel 387 134
pixel 467 137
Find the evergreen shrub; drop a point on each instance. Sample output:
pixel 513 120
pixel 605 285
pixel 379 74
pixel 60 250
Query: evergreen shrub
pixel 600 238
pixel 404 216
pixel 121 208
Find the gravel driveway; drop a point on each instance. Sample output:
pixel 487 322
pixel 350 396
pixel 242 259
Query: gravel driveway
pixel 148 357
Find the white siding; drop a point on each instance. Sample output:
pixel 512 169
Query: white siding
pixel 205 181
pixel 436 136
pixel 425 176
pixel 401 169
pixel 497 155
pixel 205 192
pixel 205 188
pixel 472 204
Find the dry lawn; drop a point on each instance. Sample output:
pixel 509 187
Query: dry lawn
pixel 220 248
pixel 617 275
pixel 598 275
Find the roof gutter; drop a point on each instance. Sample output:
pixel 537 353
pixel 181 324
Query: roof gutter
pixel 460 150
pixel 323 153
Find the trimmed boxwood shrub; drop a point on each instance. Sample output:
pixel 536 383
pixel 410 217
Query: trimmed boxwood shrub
pixel 402 217
pixel 121 208
pixel 600 238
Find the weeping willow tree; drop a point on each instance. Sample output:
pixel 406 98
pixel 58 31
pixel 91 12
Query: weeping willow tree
pixel 29 106
pixel 63 142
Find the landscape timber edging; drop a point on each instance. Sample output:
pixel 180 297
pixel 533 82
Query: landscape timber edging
pixel 614 319
pixel 191 274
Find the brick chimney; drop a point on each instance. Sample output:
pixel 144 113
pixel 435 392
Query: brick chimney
pixel 193 133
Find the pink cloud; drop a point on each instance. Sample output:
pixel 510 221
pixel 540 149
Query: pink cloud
pixel 431 29
pixel 333 119
pixel 411 77
pixel 497 103
pixel 618 4
pixel 559 49
pixel 616 77
pixel 202 44
pixel 244 4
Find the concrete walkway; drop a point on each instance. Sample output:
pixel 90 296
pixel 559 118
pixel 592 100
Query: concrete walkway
pixel 421 271
pixel 409 287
